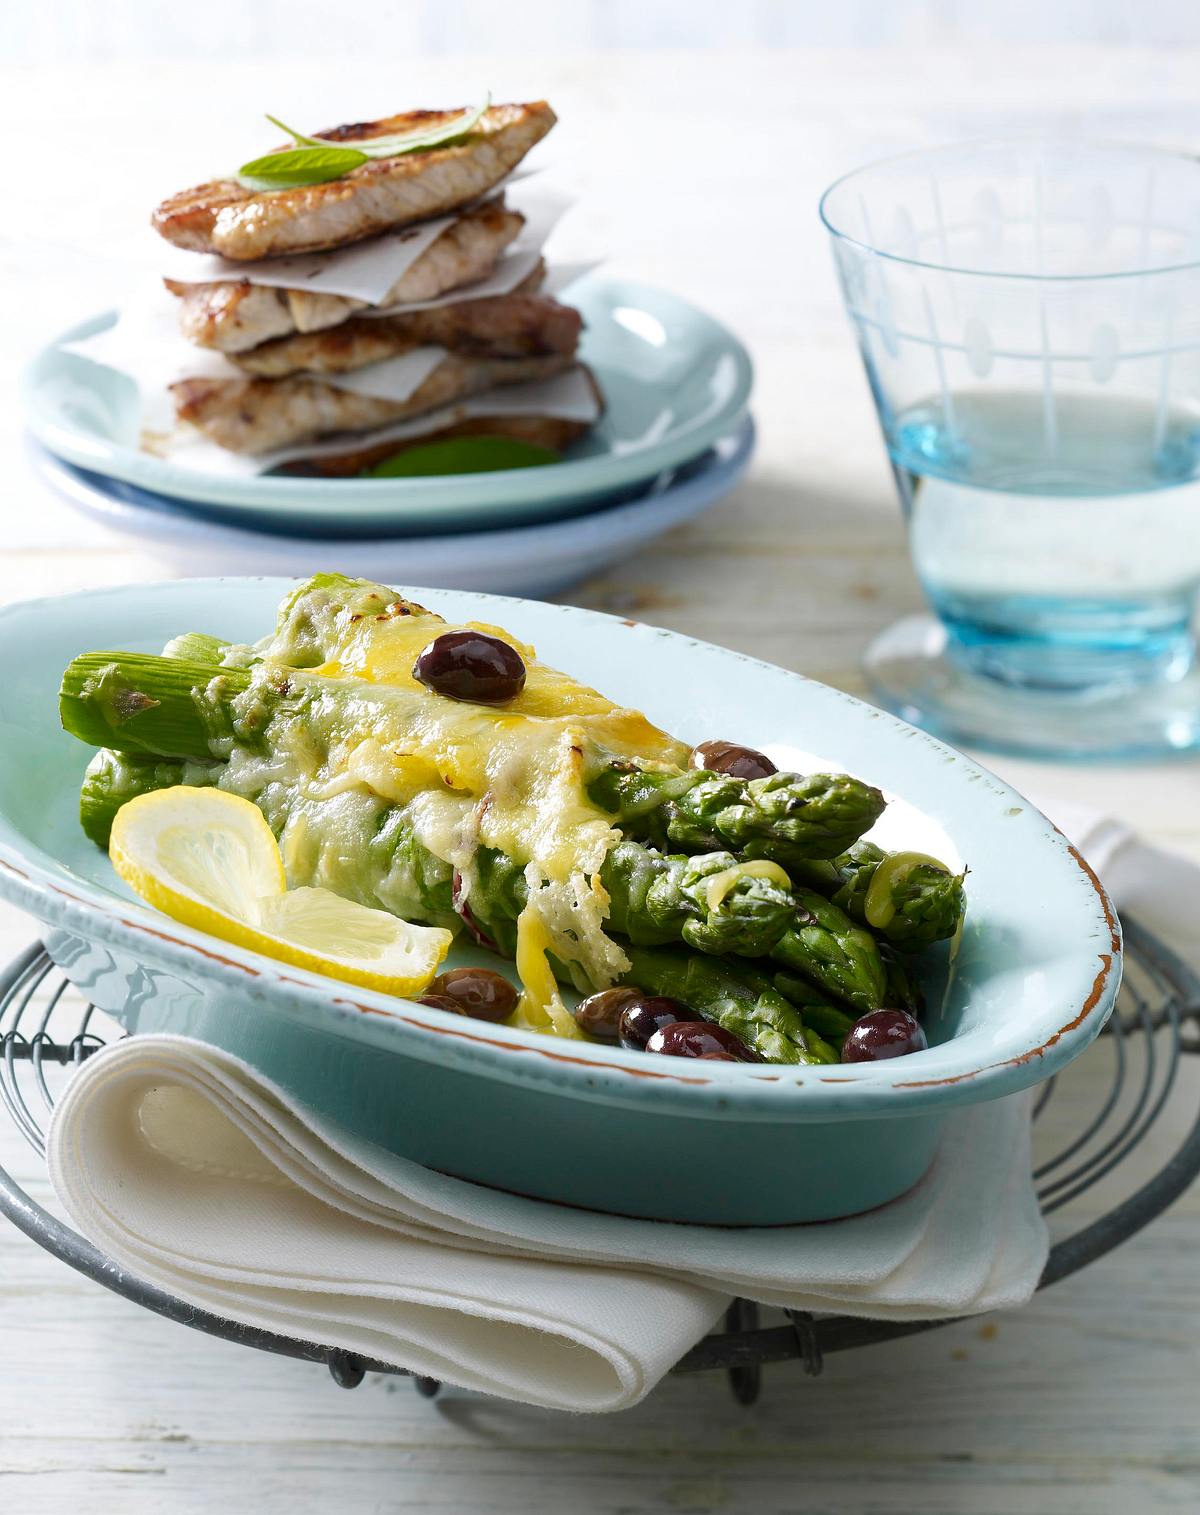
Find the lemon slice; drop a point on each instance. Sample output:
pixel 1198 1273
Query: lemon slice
pixel 209 860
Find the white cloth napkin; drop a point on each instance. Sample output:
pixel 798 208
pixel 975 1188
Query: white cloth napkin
pixel 1152 885
pixel 192 1170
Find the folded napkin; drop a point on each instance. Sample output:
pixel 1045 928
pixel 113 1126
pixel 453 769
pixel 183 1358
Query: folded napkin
pixel 1150 884
pixel 192 1170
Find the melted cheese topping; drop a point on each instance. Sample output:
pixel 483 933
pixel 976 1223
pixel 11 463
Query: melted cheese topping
pixel 527 762
pixel 384 648
pixel 540 1007
pixel 512 778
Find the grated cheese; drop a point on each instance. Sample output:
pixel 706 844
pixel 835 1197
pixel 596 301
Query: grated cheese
pixel 512 778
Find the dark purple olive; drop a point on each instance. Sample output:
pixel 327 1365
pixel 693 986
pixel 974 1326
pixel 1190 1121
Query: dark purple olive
pixel 600 1014
pixel 477 992
pixel 728 757
pixel 883 1034
pixel 441 1002
pixel 718 1057
pixel 700 1039
pixel 645 1015
pixel 470 665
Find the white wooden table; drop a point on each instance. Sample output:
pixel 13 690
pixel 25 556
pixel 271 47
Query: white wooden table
pixel 702 174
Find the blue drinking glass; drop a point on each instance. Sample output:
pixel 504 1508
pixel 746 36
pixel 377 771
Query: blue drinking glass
pixel 1028 312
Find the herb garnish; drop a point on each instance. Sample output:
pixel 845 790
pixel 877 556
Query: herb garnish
pixel 481 454
pixel 316 160
pixel 299 165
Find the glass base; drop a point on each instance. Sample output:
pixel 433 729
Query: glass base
pixel 912 674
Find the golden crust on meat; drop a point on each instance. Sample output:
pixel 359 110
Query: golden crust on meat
pixel 555 432
pixel 500 326
pixel 225 218
pixel 260 415
pixel 232 315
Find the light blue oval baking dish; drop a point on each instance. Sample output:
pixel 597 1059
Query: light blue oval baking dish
pixel 587 1125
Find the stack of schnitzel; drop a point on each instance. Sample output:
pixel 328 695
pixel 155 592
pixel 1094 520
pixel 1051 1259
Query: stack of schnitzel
pixel 308 365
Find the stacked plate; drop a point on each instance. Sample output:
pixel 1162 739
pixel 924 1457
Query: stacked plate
pixel 675 437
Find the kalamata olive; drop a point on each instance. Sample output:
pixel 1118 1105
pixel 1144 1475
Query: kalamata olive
pixel 441 1002
pixel 728 757
pixel 477 992
pixel 718 1057
pixel 643 1016
pixel 470 665
pixel 698 1039
pixel 882 1034
pixel 600 1014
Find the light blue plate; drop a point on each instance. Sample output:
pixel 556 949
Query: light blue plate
pixel 537 560
pixel 674 381
pixel 586 1124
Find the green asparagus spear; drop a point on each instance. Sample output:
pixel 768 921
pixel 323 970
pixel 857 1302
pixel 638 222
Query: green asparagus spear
pixel 197 647
pixel 164 707
pixel 114 778
pixel 831 1021
pixel 787 817
pixel 835 954
pixel 652 899
pixel 760 1015
pixel 171 708
pixel 903 991
pixel 740 999
pixel 909 900
pixel 656 898
pixel 176 709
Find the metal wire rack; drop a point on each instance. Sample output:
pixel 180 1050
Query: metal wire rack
pixel 46 1029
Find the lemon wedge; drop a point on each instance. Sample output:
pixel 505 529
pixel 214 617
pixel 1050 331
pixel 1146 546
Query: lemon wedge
pixel 209 860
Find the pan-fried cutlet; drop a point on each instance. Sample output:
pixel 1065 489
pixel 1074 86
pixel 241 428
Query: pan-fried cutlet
pixel 226 218
pixel 504 326
pixel 554 432
pixel 259 415
pixel 234 315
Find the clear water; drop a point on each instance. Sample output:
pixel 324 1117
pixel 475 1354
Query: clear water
pixel 1060 547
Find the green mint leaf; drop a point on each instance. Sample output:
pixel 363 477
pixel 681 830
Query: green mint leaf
pixel 299 165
